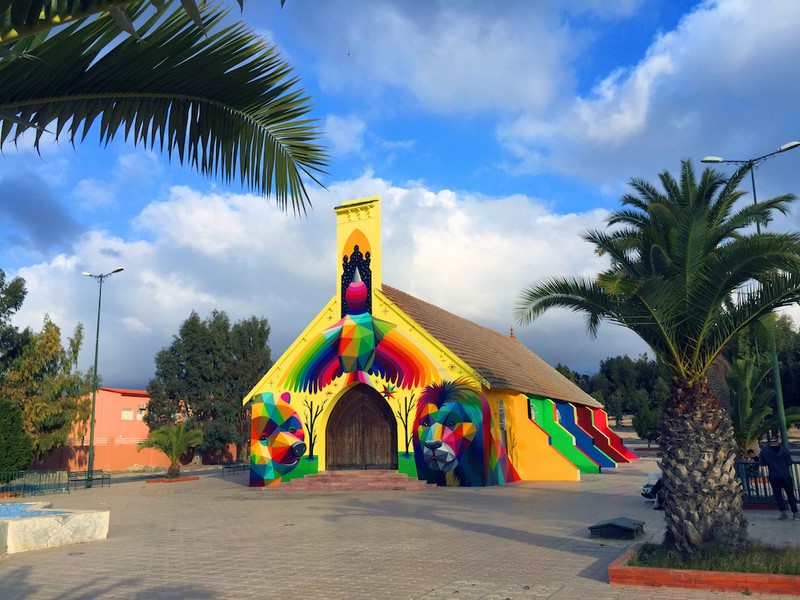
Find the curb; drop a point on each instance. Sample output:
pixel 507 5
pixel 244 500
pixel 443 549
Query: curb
pixel 619 573
pixel 173 479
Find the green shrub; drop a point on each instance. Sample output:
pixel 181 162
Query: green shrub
pixel 755 558
pixel 16 447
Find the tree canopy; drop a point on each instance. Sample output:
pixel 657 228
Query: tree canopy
pixel 43 381
pixel 16 446
pixel 12 295
pixel 204 374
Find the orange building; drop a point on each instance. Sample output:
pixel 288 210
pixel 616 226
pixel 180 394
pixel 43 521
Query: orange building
pixel 119 427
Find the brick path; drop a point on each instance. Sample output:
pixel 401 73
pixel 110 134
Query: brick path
pixel 216 538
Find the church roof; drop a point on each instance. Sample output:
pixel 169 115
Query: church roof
pixel 501 360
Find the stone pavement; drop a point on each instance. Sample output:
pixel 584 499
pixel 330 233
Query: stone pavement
pixel 217 538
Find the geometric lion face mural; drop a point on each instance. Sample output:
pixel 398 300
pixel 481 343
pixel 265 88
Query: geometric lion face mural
pixel 452 439
pixel 276 439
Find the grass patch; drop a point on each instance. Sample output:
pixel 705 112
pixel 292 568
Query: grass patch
pixel 755 558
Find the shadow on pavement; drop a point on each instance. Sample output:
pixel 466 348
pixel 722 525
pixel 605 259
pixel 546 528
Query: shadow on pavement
pixel 94 588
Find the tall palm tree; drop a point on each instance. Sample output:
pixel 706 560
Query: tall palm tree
pixel 174 441
pixel 214 97
pixel 687 272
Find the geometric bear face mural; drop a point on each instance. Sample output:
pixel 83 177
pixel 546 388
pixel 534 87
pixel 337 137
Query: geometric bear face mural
pixel 276 439
pixel 451 435
pixel 453 441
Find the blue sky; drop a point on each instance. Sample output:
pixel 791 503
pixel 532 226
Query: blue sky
pixel 495 133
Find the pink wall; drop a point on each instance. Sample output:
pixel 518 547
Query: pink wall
pixel 119 413
pixel 108 457
pixel 119 427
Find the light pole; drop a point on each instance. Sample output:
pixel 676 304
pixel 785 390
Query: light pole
pixel 100 279
pixel 751 165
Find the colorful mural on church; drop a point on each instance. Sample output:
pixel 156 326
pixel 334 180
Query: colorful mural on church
pixel 359 345
pixel 382 378
pixel 276 439
pixel 453 441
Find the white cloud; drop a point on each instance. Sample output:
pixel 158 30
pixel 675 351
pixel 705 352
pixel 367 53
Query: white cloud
pixel 93 193
pixel 345 134
pixel 135 325
pixel 139 167
pixel 447 58
pixel 469 254
pixel 720 82
pixel 709 86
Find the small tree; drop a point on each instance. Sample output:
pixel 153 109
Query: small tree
pixel 613 406
pixel 403 412
pixel 174 441
pixel 646 422
pixel 312 414
pixel 16 447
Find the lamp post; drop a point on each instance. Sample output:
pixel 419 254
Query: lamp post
pixel 751 165
pixel 100 279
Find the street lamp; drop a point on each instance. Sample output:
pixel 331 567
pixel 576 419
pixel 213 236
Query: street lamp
pixel 100 279
pixel 751 165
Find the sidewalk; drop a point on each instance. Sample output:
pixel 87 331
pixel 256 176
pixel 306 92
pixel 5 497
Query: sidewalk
pixel 217 538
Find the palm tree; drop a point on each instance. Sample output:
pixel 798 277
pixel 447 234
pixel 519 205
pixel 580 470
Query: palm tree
pixel 216 98
pixel 174 441
pixel 687 273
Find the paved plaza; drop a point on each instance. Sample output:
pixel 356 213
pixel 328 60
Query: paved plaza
pixel 217 538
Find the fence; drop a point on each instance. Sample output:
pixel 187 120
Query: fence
pixel 755 482
pixel 32 483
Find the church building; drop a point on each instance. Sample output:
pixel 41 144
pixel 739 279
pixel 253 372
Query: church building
pixel 380 379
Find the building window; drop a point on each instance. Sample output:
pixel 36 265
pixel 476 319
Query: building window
pixel 127 414
pixel 140 412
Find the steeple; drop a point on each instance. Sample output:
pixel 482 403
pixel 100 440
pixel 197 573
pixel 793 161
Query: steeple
pixel 358 245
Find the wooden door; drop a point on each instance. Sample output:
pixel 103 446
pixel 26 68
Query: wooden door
pixel 361 432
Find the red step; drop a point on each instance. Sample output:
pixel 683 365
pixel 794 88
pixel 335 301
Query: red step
pixel 353 481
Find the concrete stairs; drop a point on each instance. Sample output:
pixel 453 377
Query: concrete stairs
pixel 336 481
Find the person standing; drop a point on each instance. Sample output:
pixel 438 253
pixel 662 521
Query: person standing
pixel 778 460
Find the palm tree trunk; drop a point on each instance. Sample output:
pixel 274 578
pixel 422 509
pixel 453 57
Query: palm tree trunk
pixel 174 470
pixel 703 507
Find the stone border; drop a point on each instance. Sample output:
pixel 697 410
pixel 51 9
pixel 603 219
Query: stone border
pixel 56 527
pixel 619 573
pixel 173 479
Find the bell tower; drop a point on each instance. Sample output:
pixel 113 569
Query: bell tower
pixel 358 245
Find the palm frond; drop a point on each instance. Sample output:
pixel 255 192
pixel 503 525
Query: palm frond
pixel 217 99
pixel 678 264
pixel 23 18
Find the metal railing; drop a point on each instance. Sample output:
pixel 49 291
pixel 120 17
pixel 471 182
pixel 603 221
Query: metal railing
pixel 755 481
pixel 32 483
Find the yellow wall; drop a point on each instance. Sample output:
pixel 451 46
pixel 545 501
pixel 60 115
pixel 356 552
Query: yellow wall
pixel 528 445
pixel 358 222
pixel 449 366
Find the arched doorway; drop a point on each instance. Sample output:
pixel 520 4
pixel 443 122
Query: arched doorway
pixel 361 432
